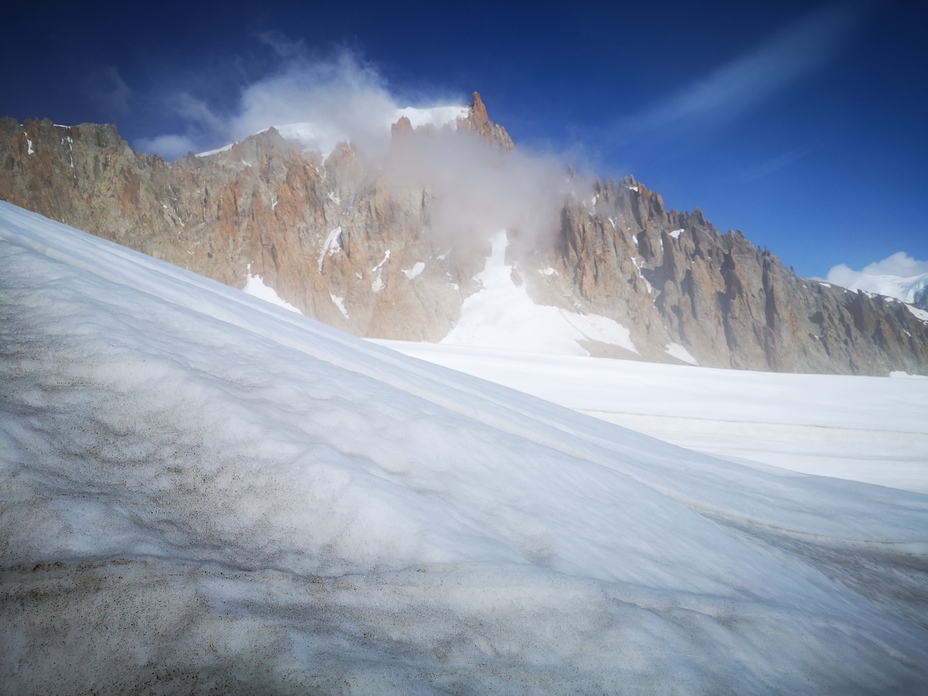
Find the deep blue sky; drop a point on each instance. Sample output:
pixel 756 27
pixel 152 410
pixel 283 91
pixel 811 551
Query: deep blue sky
pixel 803 124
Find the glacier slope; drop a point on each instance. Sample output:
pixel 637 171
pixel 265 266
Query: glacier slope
pixel 203 492
pixel 870 429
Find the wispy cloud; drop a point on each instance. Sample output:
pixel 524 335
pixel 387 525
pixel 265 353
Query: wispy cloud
pixel 344 93
pixel 201 125
pixel 748 80
pixel 343 97
pixel 476 189
pixel 772 166
pixel 109 90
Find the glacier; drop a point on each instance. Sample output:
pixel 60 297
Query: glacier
pixel 204 492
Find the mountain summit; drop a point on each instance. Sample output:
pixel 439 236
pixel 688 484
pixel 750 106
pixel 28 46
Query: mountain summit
pixel 411 240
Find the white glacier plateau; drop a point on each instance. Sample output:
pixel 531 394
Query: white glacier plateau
pixel 202 492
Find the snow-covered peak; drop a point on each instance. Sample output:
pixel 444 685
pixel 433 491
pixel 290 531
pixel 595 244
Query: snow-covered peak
pixel 899 276
pixel 324 137
pixel 437 116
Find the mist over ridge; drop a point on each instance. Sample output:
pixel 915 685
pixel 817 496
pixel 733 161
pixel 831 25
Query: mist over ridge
pixel 381 225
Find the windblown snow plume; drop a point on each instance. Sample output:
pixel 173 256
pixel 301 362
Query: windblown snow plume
pixel 476 189
pixel 203 492
pixel 320 102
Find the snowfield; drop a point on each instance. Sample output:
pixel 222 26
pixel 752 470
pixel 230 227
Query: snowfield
pixel 203 492
pixel 871 429
pixel 501 314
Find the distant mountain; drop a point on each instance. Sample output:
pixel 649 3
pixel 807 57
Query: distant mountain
pixel 898 276
pixel 450 233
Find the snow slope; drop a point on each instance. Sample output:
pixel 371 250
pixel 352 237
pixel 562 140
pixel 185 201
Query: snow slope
pixel 502 315
pixel 204 492
pixel 871 429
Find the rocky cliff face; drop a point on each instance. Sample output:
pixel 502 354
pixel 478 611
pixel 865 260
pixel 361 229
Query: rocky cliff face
pixel 327 236
pixel 671 277
pixel 346 244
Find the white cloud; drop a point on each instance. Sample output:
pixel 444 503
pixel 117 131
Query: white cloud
pixel 476 189
pixel 899 264
pixel 750 79
pixel 343 98
pixel 343 95
pixel 168 146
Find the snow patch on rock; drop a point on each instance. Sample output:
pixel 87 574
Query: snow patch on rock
pixel 330 246
pixel 255 287
pixel 340 303
pixel 417 268
pixel 502 315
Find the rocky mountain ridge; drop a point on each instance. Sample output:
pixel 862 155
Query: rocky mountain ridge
pixel 350 243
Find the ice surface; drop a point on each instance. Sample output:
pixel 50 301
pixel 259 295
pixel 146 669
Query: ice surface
pixel 202 492
pixel 502 315
pixel 870 429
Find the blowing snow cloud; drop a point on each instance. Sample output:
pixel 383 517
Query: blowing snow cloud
pixel 476 188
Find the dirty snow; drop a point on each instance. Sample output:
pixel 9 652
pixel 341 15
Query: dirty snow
pixel 202 492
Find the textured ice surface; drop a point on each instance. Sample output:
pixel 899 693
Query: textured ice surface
pixel 870 429
pixel 203 492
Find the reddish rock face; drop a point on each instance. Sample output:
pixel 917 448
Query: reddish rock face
pixel 479 122
pixel 672 277
pixel 338 240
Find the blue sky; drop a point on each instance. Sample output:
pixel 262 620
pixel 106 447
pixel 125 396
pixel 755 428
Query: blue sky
pixel 803 124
